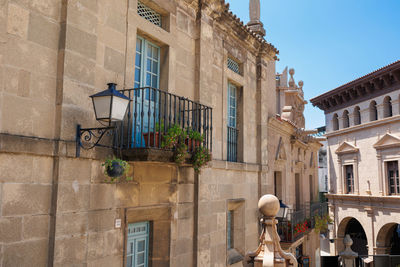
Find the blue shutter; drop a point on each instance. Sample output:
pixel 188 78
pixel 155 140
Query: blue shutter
pixel 137 252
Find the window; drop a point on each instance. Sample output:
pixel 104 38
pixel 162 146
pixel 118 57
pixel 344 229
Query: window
pixel 278 185
pixel 357 116
pixel 349 179
pixel 235 229
pixel 229 230
pixel 147 64
pixel 335 122
pixel 149 14
pixel 345 118
pixel 387 107
pixel 234 66
pixel 138 245
pixel 373 112
pixel 232 139
pixel 393 177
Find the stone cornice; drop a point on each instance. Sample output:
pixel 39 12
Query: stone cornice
pixel 379 82
pixel 364 198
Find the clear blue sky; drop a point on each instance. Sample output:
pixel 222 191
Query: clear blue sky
pixel 329 42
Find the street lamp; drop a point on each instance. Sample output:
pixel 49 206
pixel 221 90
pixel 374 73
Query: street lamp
pixel 109 106
pixel 283 210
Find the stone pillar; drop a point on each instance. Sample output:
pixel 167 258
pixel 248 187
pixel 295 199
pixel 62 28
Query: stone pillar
pixel 380 176
pixel 356 180
pixel 348 256
pixel 269 252
pixel 396 107
pixel 364 113
pixel 381 112
pixel 340 184
pixel 351 119
pixel 255 24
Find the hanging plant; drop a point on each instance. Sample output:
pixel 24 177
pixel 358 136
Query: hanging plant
pixel 115 168
pixel 200 158
pixel 321 223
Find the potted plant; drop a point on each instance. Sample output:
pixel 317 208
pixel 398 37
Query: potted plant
pixel 152 138
pixel 321 223
pixel 115 168
pixel 200 158
pixel 194 139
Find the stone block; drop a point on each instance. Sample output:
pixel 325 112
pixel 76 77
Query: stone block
pixel 91 5
pixel 42 171
pixel 73 197
pixel 106 261
pixel 101 220
pixel 151 194
pixel 71 224
pixel 81 42
pixel 104 243
pixel 75 169
pixel 116 21
pixel 24 80
pixel 204 242
pixel 36 226
pixel 26 254
pixel 15 168
pixel 70 250
pixel 183 246
pixel 18 20
pixel 153 173
pixel 204 258
pixel 127 195
pixel 20 199
pixel 79 68
pixel 10 229
pixel 87 21
pixel 114 61
pixel 42 87
pixel 43 117
pixel 185 193
pixel 185 211
pixel 43 31
pixel 185 228
pixel 112 38
pixel 102 196
pixel 18 112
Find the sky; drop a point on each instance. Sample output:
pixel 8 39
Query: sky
pixel 328 42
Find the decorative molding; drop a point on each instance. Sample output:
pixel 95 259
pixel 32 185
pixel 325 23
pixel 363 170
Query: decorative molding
pixel 346 148
pixel 387 141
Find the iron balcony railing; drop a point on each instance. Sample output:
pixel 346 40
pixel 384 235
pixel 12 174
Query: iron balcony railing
pixel 300 222
pixel 152 112
pixel 232 144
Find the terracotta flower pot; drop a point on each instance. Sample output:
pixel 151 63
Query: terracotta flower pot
pixel 192 144
pixel 151 136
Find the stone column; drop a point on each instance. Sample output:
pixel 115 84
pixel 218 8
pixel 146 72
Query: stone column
pixel 381 113
pixel 351 119
pixel 340 184
pixel 381 183
pixel 255 24
pixel 356 179
pixel 396 107
pixel 348 256
pixel 364 115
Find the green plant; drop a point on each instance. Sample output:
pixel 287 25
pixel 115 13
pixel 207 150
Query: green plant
pixel 171 138
pixel 160 126
pixel 200 158
pixel 195 135
pixel 109 166
pixel 321 223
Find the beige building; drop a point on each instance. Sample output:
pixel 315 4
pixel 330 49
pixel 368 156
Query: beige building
pixel 210 73
pixel 363 132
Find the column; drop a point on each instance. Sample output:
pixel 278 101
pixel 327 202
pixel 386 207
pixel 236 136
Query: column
pixel 364 113
pixel 340 180
pixel 356 178
pixel 380 109
pixel 381 182
pixel 396 107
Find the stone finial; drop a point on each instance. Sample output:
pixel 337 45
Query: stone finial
pixel 255 24
pixel 301 83
pixel 348 256
pixel 291 80
pixel 269 252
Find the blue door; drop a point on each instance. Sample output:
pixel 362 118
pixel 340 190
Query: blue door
pixel 147 74
pixel 138 245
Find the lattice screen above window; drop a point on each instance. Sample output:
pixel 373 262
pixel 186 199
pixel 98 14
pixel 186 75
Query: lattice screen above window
pixel 149 14
pixel 234 66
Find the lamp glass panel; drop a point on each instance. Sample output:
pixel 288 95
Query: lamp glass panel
pixel 280 212
pixel 102 107
pixel 119 108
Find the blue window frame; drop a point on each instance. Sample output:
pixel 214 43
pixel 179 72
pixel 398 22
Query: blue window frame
pixel 137 254
pixel 232 132
pixel 229 229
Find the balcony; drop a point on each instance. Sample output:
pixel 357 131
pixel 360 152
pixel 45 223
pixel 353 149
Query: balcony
pixel 152 114
pixel 300 222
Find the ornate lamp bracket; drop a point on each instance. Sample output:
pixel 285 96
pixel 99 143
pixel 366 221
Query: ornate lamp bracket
pixel 88 138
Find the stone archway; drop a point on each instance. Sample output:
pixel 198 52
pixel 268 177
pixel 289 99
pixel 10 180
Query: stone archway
pixel 353 227
pixel 388 240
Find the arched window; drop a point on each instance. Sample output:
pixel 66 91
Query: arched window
pixel 357 116
pixel 373 112
pixel 345 118
pixel 387 107
pixel 335 122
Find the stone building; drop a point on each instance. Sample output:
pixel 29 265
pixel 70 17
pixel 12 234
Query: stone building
pixel 56 209
pixel 363 132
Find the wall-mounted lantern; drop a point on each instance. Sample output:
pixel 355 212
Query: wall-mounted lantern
pixel 283 211
pixel 109 106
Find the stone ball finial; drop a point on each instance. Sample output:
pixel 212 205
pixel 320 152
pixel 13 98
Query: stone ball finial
pixel 291 71
pixel 301 83
pixel 347 241
pixel 268 205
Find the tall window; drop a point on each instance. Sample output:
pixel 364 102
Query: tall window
pixel 357 116
pixel 147 64
pixel 373 111
pixel 335 122
pixel 229 229
pixel 278 185
pixel 345 118
pixel 349 179
pixel 393 177
pixel 137 253
pixel 232 140
pixel 387 107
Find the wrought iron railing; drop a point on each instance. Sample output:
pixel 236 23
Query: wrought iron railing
pixel 232 144
pixel 152 112
pixel 300 222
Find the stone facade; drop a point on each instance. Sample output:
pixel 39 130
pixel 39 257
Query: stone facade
pixel 363 147
pixel 56 209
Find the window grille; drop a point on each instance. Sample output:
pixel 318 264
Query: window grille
pixel 149 14
pixel 234 66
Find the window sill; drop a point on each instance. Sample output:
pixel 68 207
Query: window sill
pixel 233 256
